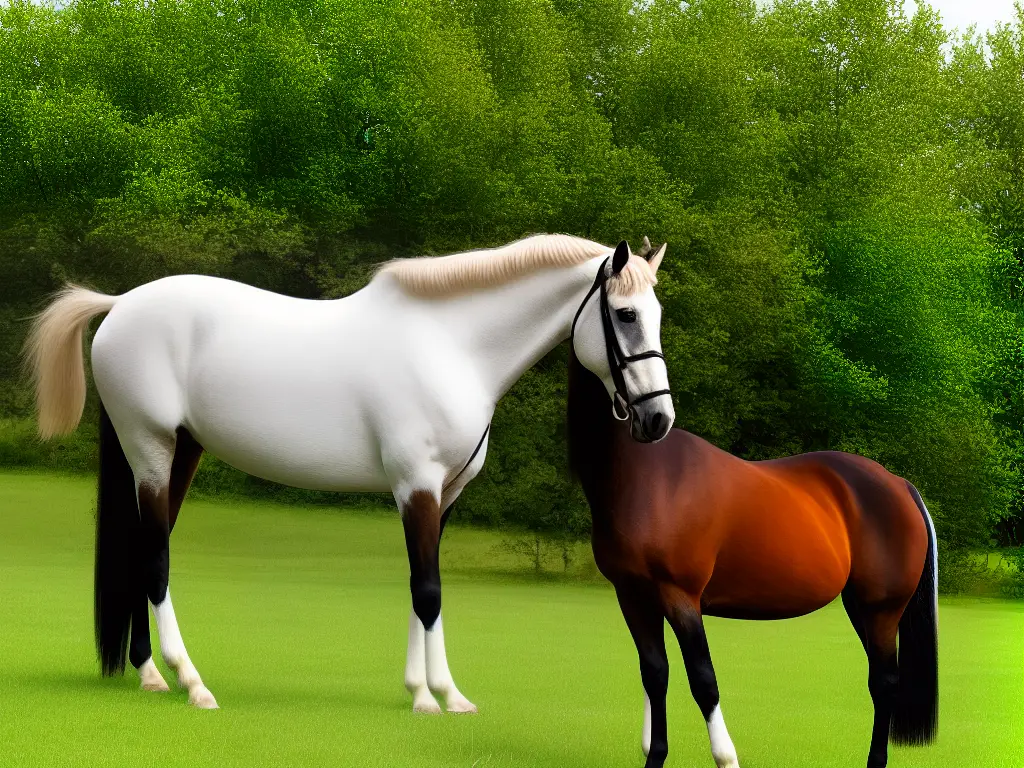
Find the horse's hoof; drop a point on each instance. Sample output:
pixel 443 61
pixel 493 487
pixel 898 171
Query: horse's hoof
pixel 201 698
pixel 423 702
pixel 151 679
pixel 463 708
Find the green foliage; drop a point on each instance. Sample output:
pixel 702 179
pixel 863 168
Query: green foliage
pixel 841 200
pixel 1013 585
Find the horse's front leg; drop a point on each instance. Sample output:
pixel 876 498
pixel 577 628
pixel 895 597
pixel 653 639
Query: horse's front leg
pixel 684 616
pixel 421 518
pixel 646 624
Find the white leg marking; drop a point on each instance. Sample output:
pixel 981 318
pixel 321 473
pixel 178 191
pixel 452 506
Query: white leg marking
pixel 439 678
pixel 416 669
pixel 151 678
pixel 172 647
pixel 645 737
pixel 722 748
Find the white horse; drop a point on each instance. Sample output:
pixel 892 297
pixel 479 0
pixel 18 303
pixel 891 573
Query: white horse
pixel 392 388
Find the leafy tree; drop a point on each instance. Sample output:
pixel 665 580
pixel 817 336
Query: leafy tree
pixel 840 198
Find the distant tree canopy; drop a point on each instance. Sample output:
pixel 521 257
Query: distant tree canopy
pixel 840 186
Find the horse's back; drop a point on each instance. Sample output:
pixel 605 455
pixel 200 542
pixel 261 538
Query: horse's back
pixel 163 335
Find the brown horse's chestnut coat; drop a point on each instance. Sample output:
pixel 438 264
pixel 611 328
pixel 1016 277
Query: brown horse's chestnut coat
pixel 683 529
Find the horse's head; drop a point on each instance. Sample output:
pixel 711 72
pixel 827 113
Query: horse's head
pixel 617 336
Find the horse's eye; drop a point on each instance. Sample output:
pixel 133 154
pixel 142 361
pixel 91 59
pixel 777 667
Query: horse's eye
pixel 626 315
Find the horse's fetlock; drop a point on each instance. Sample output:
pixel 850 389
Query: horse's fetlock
pixel 426 602
pixel 657 756
pixel 439 685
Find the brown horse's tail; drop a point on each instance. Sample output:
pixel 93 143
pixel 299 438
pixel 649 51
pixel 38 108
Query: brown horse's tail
pixel 915 718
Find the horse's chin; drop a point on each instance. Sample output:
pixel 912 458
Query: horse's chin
pixel 638 434
pixel 650 433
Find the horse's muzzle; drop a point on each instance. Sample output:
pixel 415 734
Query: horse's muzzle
pixel 652 421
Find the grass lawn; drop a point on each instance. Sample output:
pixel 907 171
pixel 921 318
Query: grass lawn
pixel 297 620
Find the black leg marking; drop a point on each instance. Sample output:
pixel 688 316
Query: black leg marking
pixel 883 679
pixel 647 626
pixel 187 453
pixel 689 630
pixel 155 549
pixel 141 648
pixel 421 518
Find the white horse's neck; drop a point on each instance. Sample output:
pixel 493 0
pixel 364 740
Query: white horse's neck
pixel 508 328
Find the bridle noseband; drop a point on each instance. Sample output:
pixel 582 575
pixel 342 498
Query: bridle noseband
pixel 622 406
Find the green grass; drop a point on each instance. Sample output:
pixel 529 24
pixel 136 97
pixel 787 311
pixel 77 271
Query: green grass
pixel 297 619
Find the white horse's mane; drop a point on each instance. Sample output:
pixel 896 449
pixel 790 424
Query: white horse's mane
pixel 475 270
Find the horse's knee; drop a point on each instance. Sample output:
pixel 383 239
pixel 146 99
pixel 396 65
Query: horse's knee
pixel 654 675
pixel 426 602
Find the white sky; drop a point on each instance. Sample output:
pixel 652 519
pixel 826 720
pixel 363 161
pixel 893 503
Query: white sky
pixel 962 13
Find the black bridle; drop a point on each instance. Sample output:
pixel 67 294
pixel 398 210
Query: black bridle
pixel 622 406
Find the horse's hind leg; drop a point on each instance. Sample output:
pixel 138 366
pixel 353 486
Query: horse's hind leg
pixel 855 613
pixel 684 616
pixel 642 612
pixel 150 452
pixel 155 516
pixel 880 628
pixel 187 453
pixel 140 650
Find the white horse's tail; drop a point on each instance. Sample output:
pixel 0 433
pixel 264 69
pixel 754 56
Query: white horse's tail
pixel 53 352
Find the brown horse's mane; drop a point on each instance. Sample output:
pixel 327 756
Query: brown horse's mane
pixel 589 422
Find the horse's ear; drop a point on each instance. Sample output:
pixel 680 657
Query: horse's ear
pixel 645 249
pixel 655 260
pixel 620 258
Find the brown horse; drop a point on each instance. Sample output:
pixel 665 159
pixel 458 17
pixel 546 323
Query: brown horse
pixel 684 530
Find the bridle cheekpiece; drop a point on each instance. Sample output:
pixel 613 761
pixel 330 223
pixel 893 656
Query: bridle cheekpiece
pixel 618 361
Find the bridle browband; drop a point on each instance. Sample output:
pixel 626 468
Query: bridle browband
pixel 617 359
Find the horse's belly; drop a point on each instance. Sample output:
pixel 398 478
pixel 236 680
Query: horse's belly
pixel 316 463
pixel 303 434
pixel 777 576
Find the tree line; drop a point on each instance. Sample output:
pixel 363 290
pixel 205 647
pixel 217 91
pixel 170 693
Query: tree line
pixel 840 185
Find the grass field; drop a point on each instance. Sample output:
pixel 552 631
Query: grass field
pixel 296 619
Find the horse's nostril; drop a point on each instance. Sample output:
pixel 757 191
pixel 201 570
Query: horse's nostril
pixel 654 428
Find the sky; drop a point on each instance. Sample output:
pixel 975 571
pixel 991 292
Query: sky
pixel 962 13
